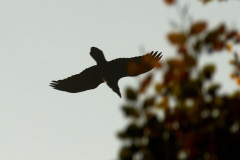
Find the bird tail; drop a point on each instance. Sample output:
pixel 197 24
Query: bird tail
pixel 97 55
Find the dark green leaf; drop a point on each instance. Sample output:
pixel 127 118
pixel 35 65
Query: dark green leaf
pixel 208 70
pixel 131 94
pixel 148 102
pixel 213 89
pixel 134 131
pixel 130 111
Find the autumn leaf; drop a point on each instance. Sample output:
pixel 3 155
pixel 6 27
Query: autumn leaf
pixel 164 103
pixel 238 81
pixel 145 83
pixel 212 36
pixel 198 27
pixel 159 87
pixel 197 46
pixel 220 29
pixel 206 1
pixel 177 38
pixel 233 62
pixel 170 2
pixel 238 38
pixel 175 63
pixel 229 47
pixel 182 49
pixel 232 75
pixel 218 45
pixel 231 34
pixel 189 61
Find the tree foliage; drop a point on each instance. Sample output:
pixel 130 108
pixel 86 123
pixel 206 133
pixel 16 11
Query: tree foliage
pixel 186 118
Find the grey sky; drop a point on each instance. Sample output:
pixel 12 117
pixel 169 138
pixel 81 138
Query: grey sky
pixel 44 40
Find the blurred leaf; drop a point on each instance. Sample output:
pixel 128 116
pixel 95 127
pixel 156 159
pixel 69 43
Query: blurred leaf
pixel 213 89
pixel 218 45
pixel 197 46
pixel 159 87
pixel 237 38
pixel 145 83
pixel 130 111
pixel 206 1
pixel 190 88
pixel 122 135
pixel 232 75
pixel 177 90
pixel 233 62
pixel 148 102
pixel 231 34
pixel 177 38
pixel 238 81
pixel 134 131
pixel 170 2
pixel 198 27
pixel 229 47
pixel 126 153
pixel 220 29
pixel 213 35
pixel 164 103
pixel 168 77
pixel 208 70
pixel 131 94
pixel 182 49
pixel 175 63
pixel 189 61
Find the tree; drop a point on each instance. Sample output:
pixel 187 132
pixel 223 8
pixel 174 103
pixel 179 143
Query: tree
pixel 199 123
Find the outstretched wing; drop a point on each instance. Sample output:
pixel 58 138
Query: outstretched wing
pixel 90 78
pixel 135 66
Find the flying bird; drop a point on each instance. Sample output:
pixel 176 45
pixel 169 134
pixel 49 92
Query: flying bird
pixel 107 71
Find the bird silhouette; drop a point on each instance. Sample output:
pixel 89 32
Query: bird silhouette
pixel 107 71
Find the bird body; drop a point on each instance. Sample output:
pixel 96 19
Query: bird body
pixel 107 71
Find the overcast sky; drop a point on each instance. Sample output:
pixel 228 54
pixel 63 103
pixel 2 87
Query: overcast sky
pixel 45 40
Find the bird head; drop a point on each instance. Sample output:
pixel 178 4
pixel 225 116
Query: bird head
pixel 97 55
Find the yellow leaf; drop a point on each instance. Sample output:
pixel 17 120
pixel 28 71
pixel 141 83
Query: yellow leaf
pixel 238 81
pixel 232 76
pixel 229 47
pixel 145 83
pixel 159 87
pixel 163 103
pixel 177 38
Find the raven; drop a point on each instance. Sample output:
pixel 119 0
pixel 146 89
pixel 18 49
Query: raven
pixel 107 71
